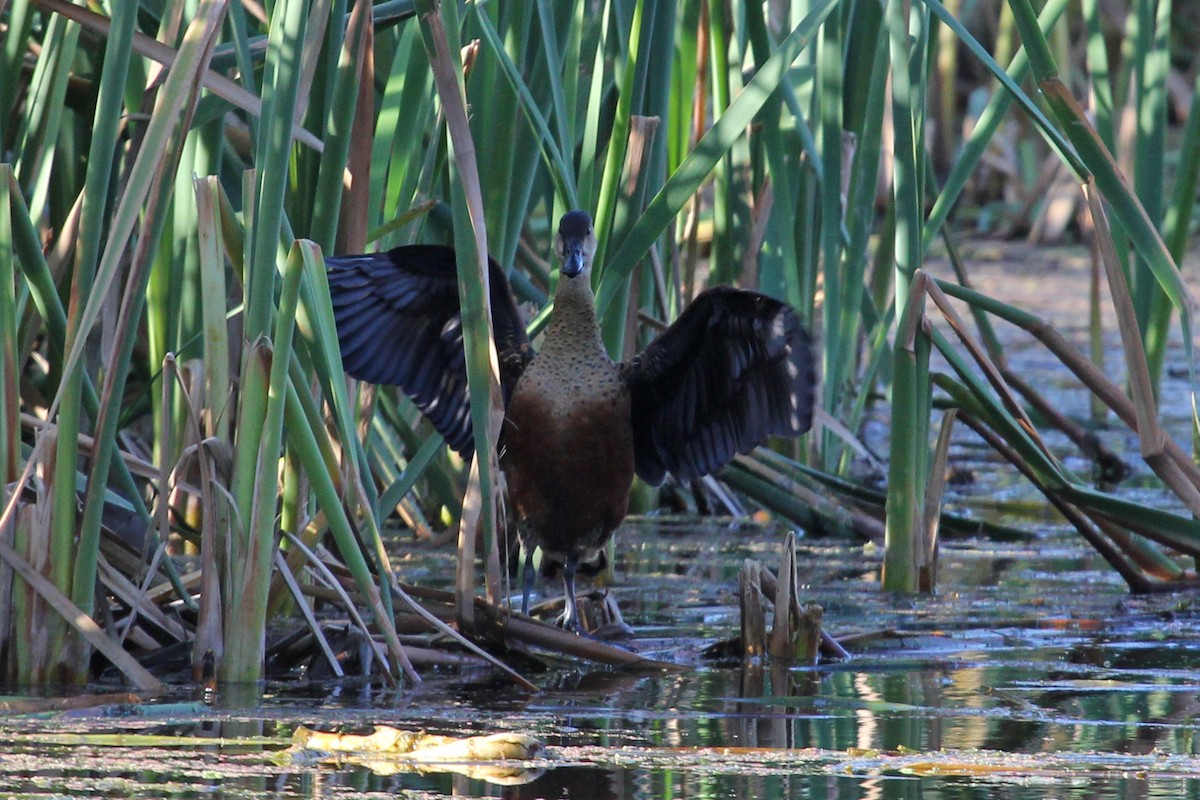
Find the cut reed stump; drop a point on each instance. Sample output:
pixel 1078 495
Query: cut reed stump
pixel 796 634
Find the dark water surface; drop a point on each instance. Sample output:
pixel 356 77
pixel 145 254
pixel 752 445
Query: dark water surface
pixel 1031 674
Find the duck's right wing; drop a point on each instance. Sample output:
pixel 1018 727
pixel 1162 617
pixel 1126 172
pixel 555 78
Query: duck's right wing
pixel 399 323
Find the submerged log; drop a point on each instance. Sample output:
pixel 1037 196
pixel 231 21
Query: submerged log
pixel 500 758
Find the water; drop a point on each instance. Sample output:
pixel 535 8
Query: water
pixel 1032 674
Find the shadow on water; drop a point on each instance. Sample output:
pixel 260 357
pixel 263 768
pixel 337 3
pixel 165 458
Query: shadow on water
pixel 1031 674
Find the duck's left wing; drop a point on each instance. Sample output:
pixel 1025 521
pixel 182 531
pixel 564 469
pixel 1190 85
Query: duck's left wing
pixel 735 368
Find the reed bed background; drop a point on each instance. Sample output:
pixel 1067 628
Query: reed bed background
pixel 173 172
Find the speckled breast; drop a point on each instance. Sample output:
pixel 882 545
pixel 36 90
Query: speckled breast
pixel 568 453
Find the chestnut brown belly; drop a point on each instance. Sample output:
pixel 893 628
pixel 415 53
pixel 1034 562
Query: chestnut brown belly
pixel 568 473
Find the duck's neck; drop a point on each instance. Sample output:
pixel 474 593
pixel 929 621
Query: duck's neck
pixel 573 326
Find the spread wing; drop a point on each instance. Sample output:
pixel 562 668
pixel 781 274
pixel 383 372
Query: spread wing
pixel 399 323
pixel 735 368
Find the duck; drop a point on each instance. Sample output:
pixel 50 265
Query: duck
pixel 735 368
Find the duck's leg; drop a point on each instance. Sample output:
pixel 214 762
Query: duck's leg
pixel 528 578
pixel 570 616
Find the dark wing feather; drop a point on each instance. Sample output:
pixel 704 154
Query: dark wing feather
pixel 735 368
pixel 398 323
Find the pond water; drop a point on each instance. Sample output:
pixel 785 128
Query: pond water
pixel 1032 673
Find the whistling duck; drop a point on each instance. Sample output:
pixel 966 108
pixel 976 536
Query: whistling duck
pixel 735 368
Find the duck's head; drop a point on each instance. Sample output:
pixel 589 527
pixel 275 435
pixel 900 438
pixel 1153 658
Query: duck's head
pixel 575 243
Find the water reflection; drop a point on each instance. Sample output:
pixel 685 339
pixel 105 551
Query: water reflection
pixel 1032 675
